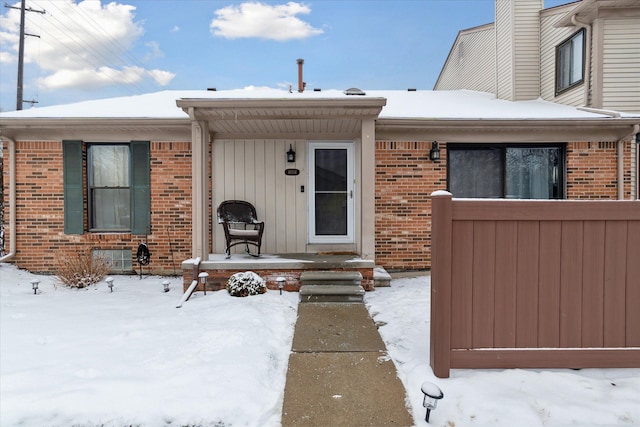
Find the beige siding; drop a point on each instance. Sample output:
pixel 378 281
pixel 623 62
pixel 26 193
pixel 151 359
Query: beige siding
pixel 517 49
pixel 527 51
pixel 550 37
pixel 621 64
pixel 471 62
pixel 253 170
pixel 504 49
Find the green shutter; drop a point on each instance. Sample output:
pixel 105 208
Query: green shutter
pixel 140 188
pixel 72 183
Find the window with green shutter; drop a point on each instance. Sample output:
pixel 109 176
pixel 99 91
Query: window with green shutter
pixel 118 194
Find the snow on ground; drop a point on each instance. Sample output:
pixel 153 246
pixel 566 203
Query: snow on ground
pixel 94 358
pixel 511 397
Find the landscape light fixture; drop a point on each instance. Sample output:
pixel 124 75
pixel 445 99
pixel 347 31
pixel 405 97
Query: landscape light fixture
pixel 432 394
pixel 280 281
pixel 291 155
pixel 203 280
pixel 165 284
pixel 109 281
pixel 434 153
pixel 34 285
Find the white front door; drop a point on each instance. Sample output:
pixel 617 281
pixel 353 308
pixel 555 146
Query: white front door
pixel 331 192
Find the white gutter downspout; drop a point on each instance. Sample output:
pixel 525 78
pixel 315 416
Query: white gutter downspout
pixel 587 59
pixel 12 200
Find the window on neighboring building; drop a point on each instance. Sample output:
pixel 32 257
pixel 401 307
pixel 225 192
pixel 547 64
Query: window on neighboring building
pixel 570 62
pixel 117 187
pixel 505 171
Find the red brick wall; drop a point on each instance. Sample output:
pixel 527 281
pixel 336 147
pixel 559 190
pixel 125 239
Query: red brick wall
pixel 592 170
pixel 405 179
pixel 40 208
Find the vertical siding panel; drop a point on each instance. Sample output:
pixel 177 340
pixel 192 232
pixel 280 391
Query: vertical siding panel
pixel 593 284
pixel 271 208
pixel 633 284
pixel 549 284
pixel 229 166
pixel 301 198
pixel 259 184
pixel 280 196
pixel 615 270
pixel 505 284
pixel 571 284
pixel 461 284
pixel 238 168
pixel 527 284
pixel 289 186
pixel 484 261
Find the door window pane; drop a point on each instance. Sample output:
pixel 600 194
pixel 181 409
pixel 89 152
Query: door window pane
pixel 532 173
pixel 331 170
pixel 331 214
pixel 476 173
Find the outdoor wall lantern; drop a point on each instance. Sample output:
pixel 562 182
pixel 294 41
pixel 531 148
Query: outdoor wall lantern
pixel 280 281
pixel 434 153
pixel 203 280
pixel 34 285
pixel 165 285
pixel 109 281
pixel 432 394
pixel 291 155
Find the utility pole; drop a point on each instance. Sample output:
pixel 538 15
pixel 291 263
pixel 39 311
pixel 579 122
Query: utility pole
pixel 19 90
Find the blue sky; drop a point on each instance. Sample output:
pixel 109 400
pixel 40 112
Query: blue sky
pixel 97 49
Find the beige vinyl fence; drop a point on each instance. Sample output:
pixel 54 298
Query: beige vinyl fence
pixel 534 284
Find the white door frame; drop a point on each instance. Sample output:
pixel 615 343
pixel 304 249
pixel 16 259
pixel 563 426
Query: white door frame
pixel 350 235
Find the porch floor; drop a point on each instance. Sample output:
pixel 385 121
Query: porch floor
pixel 289 266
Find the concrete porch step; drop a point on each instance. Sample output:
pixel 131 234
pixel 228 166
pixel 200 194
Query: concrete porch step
pixel 331 286
pixel 331 293
pixel 346 278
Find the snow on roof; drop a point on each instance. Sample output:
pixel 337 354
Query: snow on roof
pixel 420 104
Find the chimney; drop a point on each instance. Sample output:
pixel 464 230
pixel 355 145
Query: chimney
pixel 301 83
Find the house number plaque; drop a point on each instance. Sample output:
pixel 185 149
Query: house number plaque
pixel 292 172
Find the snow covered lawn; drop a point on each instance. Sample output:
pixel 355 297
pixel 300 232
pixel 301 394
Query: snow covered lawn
pixel 93 358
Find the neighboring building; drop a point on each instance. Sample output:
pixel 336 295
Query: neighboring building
pixel 107 175
pixel 584 54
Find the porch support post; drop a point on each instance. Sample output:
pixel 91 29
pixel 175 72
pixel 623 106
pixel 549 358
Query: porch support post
pixel 368 189
pixel 199 183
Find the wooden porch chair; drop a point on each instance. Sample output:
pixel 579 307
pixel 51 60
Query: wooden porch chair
pixel 241 225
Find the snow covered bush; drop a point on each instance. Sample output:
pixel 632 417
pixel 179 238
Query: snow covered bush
pixel 245 284
pixel 80 268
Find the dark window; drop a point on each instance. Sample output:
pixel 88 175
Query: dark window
pixel 117 187
pixel 570 62
pixel 505 171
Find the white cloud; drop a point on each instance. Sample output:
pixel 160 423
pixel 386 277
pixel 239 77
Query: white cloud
pixel 161 77
pixel 260 20
pixel 82 44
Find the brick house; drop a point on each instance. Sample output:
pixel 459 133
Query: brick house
pixel 109 174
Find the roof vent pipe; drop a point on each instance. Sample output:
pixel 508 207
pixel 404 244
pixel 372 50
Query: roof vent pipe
pixel 301 83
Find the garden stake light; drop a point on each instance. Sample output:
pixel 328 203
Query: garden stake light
pixel 165 284
pixel 109 281
pixel 280 281
pixel 34 285
pixel 432 394
pixel 203 280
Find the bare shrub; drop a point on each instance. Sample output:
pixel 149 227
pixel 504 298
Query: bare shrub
pixel 79 268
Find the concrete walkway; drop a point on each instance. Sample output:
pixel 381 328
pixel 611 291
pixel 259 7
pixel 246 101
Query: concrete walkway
pixel 339 373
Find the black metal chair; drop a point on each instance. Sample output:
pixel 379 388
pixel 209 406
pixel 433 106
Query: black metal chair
pixel 241 225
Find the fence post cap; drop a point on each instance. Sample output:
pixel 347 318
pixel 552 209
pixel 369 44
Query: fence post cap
pixel 441 193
